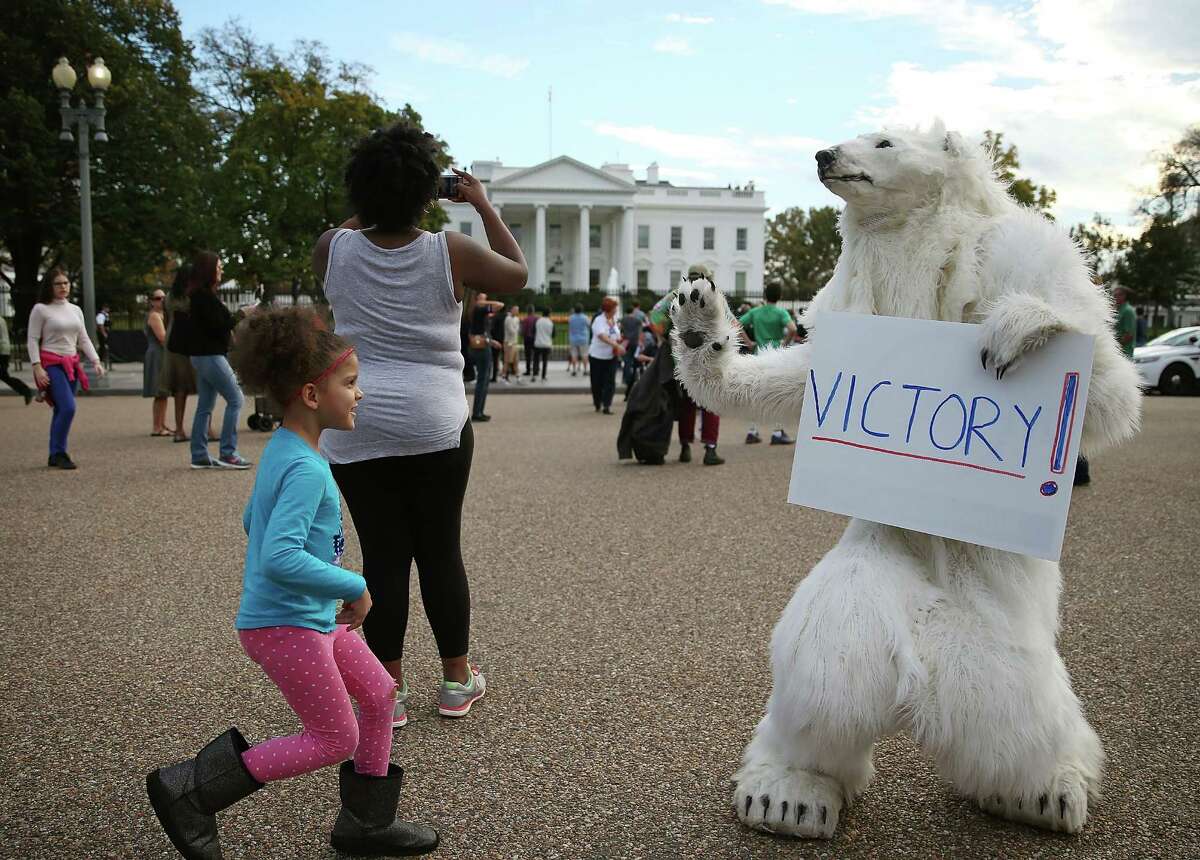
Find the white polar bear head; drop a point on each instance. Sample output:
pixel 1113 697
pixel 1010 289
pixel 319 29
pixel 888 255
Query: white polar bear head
pixel 897 171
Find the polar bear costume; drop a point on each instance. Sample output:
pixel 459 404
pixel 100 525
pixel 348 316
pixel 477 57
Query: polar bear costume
pixel 898 630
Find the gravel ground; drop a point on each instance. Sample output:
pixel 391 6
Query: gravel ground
pixel 622 614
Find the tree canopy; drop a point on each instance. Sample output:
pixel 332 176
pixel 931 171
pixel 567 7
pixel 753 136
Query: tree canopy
pixel 1023 190
pixel 284 127
pixel 146 181
pixel 801 249
pixel 227 145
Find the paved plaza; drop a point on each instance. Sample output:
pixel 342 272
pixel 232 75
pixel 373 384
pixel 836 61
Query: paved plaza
pixel 621 613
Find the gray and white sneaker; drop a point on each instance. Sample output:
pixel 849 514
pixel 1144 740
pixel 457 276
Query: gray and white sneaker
pixel 455 700
pixel 400 715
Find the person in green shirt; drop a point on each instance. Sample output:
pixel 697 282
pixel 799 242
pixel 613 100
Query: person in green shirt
pixel 1126 321
pixel 771 326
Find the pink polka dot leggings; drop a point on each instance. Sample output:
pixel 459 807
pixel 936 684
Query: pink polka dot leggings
pixel 317 674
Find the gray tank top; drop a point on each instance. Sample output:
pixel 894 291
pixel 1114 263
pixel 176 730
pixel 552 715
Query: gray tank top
pixel 397 307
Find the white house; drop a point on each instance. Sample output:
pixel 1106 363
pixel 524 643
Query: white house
pixel 575 222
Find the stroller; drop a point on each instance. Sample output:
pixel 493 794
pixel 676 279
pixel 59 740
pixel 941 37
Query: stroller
pixel 267 415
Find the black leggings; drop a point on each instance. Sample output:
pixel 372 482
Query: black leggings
pixel 406 509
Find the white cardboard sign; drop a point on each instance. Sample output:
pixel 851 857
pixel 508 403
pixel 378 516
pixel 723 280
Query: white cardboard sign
pixel 902 425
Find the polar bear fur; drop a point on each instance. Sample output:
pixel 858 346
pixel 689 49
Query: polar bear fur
pixel 898 630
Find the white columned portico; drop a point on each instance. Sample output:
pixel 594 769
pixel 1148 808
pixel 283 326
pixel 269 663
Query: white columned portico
pixel 626 246
pixel 539 248
pixel 585 246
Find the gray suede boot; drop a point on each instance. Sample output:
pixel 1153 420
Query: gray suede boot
pixel 367 825
pixel 187 796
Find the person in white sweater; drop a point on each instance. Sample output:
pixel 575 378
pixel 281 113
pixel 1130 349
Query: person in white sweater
pixel 56 337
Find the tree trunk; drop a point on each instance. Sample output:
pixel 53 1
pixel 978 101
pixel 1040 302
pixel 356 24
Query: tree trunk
pixel 26 250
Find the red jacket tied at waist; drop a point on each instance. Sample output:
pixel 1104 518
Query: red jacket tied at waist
pixel 70 364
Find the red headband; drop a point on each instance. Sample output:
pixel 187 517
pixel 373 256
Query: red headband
pixel 337 361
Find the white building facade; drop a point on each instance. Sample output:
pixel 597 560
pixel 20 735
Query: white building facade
pixel 575 223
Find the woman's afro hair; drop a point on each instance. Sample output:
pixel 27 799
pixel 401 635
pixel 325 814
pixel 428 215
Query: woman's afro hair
pixel 393 176
pixel 279 350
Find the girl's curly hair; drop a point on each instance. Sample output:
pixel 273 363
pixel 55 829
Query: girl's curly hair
pixel 279 350
pixel 392 176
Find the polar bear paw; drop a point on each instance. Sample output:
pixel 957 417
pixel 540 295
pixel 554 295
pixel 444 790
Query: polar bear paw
pixel 1014 329
pixel 1062 805
pixel 789 802
pixel 701 317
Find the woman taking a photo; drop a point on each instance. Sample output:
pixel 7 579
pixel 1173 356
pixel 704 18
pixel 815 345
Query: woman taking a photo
pixel 396 293
pixel 56 336
pixel 155 330
pixel 203 335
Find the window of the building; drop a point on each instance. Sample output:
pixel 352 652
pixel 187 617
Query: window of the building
pixel 739 283
pixel 741 238
pixel 676 238
pixel 554 235
pixel 465 228
pixel 643 279
pixel 643 235
pixel 593 235
pixel 593 278
pixel 515 229
pixel 556 288
pixel 676 275
pixel 710 238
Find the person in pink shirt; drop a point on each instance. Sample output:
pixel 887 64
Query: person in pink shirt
pixel 56 337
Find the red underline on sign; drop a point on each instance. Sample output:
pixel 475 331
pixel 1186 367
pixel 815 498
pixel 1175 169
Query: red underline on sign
pixel 917 456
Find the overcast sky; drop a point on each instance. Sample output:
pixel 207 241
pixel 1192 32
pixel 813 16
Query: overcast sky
pixel 730 92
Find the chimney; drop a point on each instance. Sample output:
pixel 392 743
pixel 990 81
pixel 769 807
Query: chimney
pixel 483 170
pixel 652 173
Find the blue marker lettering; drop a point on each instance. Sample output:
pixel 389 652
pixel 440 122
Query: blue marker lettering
pixel 816 400
pixel 1029 422
pixel 849 404
pixel 973 428
pixel 916 398
pixel 962 431
pixel 866 403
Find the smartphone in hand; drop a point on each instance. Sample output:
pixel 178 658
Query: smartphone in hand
pixel 448 187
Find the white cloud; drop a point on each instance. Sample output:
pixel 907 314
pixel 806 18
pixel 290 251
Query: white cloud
pixel 677 18
pixel 732 151
pixel 447 52
pixel 1087 92
pixel 672 45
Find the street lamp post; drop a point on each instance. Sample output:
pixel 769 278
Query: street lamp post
pixel 86 118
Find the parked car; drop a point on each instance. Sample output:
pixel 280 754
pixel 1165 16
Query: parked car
pixel 1170 362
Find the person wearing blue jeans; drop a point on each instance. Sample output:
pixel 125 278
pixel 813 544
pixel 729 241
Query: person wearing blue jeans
pixel 203 335
pixel 481 344
pixel 214 376
pixel 55 337
pixel 481 359
pixel 62 390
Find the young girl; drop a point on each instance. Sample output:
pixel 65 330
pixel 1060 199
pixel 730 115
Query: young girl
pixel 287 622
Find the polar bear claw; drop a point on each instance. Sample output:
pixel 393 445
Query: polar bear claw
pixel 699 312
pixel 788 802
pixel 1062 806
pixel 1016 327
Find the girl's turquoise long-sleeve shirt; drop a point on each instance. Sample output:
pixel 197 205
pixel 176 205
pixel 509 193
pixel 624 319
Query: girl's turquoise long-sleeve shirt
pixel 293 522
